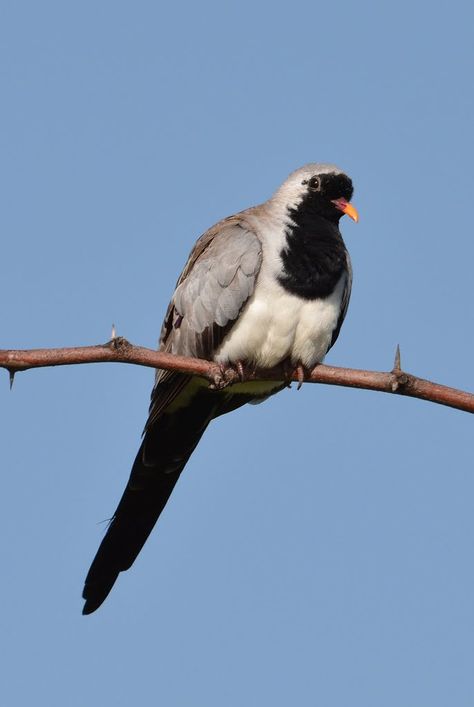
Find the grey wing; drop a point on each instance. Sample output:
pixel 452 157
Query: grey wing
pixel 346 295
pixel 216 282
pixel 209 299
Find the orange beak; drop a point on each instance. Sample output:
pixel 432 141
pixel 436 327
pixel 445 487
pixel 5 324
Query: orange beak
pixel 346 208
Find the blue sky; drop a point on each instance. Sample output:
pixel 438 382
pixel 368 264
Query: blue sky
pixel 318 549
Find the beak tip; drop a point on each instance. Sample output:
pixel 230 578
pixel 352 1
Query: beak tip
pixel 352 212
pixel 346 208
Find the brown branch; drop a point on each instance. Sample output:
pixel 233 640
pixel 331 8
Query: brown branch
pixel 121 351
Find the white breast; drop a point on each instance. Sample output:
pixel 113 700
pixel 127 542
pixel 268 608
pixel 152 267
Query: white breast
pixel 276 325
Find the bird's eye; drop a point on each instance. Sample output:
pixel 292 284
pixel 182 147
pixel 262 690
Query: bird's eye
pixel 314 183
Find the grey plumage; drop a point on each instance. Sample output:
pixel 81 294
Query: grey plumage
pixel 231 305
pixel 214 289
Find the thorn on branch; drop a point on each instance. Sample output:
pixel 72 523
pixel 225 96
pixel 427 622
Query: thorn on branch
pixel 114 333
pixel 11 374
pixel 397 363
pixel 399 378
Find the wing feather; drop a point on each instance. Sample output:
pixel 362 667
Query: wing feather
pixel 217 281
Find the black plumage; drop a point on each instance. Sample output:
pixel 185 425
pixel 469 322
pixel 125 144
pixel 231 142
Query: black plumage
pixel 212 294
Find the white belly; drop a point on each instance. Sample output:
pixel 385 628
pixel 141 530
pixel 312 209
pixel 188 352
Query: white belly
pixel 276 325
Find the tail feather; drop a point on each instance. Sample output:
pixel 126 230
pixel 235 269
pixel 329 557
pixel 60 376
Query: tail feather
pixel 165 449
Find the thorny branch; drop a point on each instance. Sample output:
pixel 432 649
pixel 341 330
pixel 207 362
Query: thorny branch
pixel 119 350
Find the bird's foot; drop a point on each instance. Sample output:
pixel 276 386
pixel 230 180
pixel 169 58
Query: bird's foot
pixel 224 375
pixel 300 372
pixel 290 371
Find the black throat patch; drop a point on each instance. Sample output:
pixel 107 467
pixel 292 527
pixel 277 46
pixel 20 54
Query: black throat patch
pixel 314 257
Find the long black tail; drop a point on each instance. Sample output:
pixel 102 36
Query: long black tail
pixel 165 449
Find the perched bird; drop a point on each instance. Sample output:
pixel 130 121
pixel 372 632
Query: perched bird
pixel 267 286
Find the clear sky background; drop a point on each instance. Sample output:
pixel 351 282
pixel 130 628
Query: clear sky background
pixel 318 549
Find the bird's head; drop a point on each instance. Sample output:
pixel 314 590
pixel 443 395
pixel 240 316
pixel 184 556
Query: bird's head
pixel 322 189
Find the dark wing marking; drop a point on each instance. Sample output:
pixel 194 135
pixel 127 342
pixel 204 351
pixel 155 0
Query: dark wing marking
pixel 346 295
pixel 214 286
